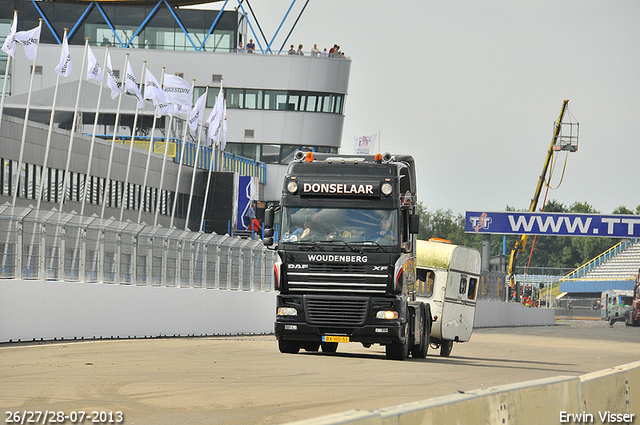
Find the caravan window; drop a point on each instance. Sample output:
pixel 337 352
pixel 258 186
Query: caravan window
pixel 424 282
pixel 463 284
pixel 473 284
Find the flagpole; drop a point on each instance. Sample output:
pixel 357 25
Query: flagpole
pixel 24 125
pixel 181 160
pixel 133 137
pixel 195 161
pixel 50 130
pixel 6 70
pixel 4 86
pixel 211 165
pixel 73 126
pixel 164 160
pixel 151 147
pixel 107 190
pixel 93 137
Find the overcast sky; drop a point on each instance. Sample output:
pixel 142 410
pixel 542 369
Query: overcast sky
pixel 472 90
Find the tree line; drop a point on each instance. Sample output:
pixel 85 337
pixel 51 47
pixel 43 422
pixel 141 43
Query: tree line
pixel 562 252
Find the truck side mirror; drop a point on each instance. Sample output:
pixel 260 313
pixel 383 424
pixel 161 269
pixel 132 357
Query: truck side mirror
pixel 268 217
pixel 267 241
pixel 414 224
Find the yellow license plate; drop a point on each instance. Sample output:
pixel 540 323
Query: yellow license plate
pixel 334 338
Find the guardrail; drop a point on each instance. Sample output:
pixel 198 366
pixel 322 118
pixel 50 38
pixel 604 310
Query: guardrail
pixel 49 245
pixel 218 161
pixel 608 396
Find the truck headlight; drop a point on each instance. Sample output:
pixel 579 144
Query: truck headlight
pixel 387 314
pixel 287 311
pixel 386 189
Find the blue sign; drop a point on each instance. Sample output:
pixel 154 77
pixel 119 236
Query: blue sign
pixel 552 224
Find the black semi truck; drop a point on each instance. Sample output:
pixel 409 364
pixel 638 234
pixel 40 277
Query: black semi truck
pixel 345 233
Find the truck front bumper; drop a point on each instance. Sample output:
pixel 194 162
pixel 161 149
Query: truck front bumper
pixel 370 330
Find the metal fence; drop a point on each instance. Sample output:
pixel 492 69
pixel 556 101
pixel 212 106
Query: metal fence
pixel 49 245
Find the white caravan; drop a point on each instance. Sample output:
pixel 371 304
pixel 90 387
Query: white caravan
pixel 447 278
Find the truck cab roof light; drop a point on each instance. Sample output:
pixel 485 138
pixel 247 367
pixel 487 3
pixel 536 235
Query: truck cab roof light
pixel 292 186
pixel 378 158
pixel 309 157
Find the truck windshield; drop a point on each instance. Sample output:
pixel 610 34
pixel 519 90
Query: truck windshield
pixel 339 224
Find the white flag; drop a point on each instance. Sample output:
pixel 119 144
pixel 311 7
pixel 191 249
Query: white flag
pixel 131 86
pixel 164 109
pixel 364 145
pixel 179 93
pixel 64 67
pixel 152 89
pixel 112 81
pixel 29 40
pixel 223 137
pixel 197 112
pixel 9 46
pixel 94 70
pixel 215 119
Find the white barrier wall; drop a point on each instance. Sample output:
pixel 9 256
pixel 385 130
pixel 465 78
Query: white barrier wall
pixel 491 314
pixel 46 310
pixel 33 309
pixel 608 396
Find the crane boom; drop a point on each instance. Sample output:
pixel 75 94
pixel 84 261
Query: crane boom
pixel 521 243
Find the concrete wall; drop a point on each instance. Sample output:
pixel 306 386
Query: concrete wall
pixel 491 314
pixel 46 310
pixel 542 401
pixel 39 310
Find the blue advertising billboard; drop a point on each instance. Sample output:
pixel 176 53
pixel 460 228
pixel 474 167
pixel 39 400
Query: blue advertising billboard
pixel 552 224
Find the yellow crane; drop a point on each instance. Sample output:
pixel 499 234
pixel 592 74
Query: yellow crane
pixel 557 144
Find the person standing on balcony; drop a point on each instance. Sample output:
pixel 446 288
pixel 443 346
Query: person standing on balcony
pixel 250 46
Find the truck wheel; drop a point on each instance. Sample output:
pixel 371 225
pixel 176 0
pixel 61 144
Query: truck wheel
pixel 446 347
pixel 399 350
pixel 420 351
pixel 627 319
pixel 329 347
pixel 288 346
pixel 611 322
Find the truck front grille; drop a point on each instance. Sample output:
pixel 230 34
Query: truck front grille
pixel 328 311
pixel 338 278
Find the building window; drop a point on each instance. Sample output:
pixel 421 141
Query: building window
pixel 276 100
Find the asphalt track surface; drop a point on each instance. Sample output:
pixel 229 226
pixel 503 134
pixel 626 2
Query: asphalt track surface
pixel 245 380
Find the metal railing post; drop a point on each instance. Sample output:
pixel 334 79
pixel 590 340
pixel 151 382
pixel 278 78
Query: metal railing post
pixel 165 255
pixel 118 259
pixel 42 273
pixel 100 256
pixel 61 251
pixel 82 269
pixel 18 251
pixel 192 263
pixel 179 264
pixel 134 260
pixel 149 278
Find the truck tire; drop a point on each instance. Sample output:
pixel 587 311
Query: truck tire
pixel 627 319
pixel 329 347
pixel 420 351
pixel 288 346
pixel 445 347
pixel 399 350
